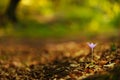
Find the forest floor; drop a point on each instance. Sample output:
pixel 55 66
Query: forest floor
pixel 63 60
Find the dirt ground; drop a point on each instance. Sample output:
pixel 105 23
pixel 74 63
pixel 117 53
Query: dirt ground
pixel 37 59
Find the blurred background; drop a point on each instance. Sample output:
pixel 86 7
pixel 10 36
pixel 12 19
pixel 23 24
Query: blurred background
pixel 60 19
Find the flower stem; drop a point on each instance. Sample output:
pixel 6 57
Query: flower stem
pixel 92 55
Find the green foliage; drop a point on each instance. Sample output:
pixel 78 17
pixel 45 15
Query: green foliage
pixel 113 47
pixel 116 21
pixel 66 17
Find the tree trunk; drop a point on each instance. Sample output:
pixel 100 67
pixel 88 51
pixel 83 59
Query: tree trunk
pixel 11 10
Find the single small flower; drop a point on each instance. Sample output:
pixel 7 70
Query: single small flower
pixel 92 45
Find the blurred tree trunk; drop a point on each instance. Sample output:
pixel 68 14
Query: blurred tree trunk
pixel 11 10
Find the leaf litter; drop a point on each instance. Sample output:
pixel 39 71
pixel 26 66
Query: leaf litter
pixel 60 61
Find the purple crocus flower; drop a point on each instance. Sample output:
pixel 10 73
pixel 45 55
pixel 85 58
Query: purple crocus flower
pixel 91 45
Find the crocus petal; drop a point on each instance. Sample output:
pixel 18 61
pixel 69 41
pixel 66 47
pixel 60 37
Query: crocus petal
pixel 91 45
